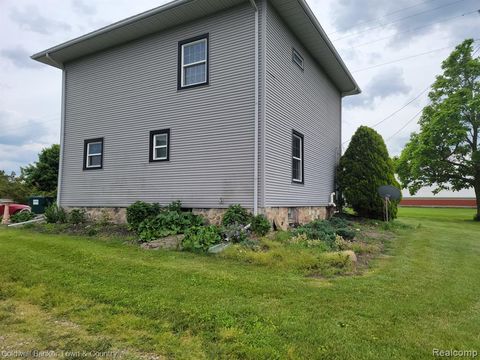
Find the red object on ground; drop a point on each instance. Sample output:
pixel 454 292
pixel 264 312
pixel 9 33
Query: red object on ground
pixel 440 202
pixel 14 208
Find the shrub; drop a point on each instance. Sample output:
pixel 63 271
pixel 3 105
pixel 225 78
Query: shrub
pixel 22 216
pixel 200 238
pixel 175 206
pixel 77 216
pixel 236 214
pixel 167 223
pixel 235 233
pixel 140 211
pixel 54 214
pixel 260 225
pixel 346 233
pixel 317 230
pixel 363 168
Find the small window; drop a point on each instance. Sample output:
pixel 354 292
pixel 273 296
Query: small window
pixel 193 62
pixel 93 154
pixel 297 58
pixel 297 157
pixel 160 145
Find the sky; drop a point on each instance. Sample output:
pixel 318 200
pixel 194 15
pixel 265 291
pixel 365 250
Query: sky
pixel 394 49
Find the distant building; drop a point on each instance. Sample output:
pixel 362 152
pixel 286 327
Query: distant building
pixel 426 198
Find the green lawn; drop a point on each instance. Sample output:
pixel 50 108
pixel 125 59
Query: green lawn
pixel 73 293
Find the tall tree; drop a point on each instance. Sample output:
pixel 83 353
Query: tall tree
pixel 363 168
pixel 445 153
pixel 43 174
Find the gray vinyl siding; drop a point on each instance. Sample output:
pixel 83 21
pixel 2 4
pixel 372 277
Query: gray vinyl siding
pixel 125 92
pixel 305 101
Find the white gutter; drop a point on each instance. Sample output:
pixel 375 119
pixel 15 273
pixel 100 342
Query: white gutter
pixel 255 152
pixel 316 24
pixel 62 137
pixel 47 55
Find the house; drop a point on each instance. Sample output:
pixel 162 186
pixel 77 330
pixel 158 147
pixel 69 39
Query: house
pixel 211 102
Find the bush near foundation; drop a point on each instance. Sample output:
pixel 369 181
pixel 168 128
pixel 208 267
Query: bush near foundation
pixel 363 168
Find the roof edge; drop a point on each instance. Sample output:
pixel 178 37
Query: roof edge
pixel 356 89
pixel 115 25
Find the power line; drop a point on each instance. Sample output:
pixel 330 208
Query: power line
pixel 400 109
pixel 401 59
pixel 417 28
pixel 404 126
pixel 379 18
pixel 405 58
pixel 398 20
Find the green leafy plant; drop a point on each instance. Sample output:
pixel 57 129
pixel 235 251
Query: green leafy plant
pixel 167 223
pixel 77 216
pixel 317 230
pixel 22 216
pixel 235 233
pixel 55 215
pixel 174 206
pixel 260 225
pixel 200 238
pixel 140 211
pixel 236 214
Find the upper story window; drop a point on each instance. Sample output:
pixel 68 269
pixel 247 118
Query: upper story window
pixel 159 145
pixel 93 154
pixel 193 62
pixel 297 157
pixel 297 58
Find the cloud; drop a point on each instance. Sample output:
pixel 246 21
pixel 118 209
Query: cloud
pixel 401 17
pixel 389 82
pixel 18 130
pixel 19 57
pixel 30 19
pixel 82 7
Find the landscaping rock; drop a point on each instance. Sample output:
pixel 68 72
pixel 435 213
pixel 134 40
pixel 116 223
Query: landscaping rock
pixel 168 243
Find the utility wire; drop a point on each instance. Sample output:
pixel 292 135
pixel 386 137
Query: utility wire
pixel 414 117
pixel 400 109
pixel 417 28
pixel 405 58
pixel 396 111
pixel 398 20
pixel 401 59
pixel 379 18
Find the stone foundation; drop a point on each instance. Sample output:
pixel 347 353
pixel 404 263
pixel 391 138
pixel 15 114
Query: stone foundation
pixel 214 216
pixel 114 215
pixel 284 217
pixel 280 217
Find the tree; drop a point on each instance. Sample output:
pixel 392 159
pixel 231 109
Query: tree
pixel 363 168
pixel 43 174
pixel 445 153
pixel 12 187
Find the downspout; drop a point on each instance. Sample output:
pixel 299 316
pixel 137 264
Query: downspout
pixel 62 127
pixel 255 152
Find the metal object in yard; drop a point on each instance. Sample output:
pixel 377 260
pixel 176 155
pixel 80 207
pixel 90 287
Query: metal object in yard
pixel 387 193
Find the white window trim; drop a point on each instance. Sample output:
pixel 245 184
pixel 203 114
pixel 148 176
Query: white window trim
pixel 184 66
pixel 300 159
pixel 155 147
pixel 94 154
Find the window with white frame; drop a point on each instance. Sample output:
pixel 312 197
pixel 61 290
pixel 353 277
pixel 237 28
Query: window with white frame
pixel 297 157
pixel 193 62
pixel 160 145
pixel 93 154
pixel 297 58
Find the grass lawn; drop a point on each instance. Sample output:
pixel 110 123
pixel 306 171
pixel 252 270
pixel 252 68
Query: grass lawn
pixel 74 293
